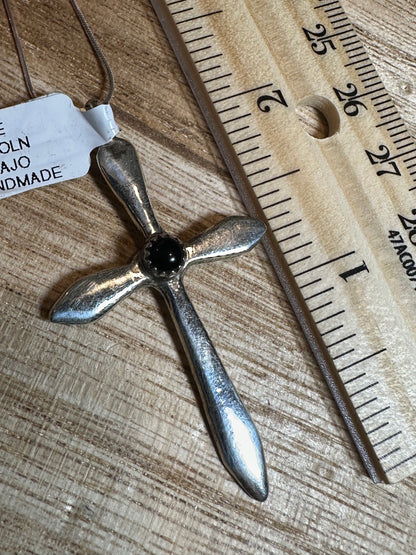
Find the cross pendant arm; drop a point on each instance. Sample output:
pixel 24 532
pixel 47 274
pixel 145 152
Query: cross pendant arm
pixel 232 430
pixel 119 164
pixel 230 237
pixel 91 297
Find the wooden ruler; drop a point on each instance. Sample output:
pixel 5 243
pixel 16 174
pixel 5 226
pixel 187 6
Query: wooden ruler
pixel 340 200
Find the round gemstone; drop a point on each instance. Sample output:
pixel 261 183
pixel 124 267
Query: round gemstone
pixel 164 255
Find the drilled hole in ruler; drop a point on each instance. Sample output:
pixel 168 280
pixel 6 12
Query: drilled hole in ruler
pixel 318 117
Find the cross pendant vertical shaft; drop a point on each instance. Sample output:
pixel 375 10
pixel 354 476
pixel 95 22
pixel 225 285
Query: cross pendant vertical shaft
pixel 161 265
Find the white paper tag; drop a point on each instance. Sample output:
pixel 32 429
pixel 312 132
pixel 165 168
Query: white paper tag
pixel 48 140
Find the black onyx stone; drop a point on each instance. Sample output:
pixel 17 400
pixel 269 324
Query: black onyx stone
pixel 164 255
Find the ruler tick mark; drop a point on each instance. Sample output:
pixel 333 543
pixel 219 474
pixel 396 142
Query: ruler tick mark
pixel 334 35
pixel 243 92
pixel 366 403
pixel 336 27
pixel 389 453
pixel 368 93
pixel 396 127
pixel 300 260
pixel 370 78
pixel 411 158
pixel 218 78
pixel 351 380
pixel 403 153
pixel 330 317
pixel 289 238
pixel 287 225
pixel 182 11
pixel 219 89
pixel 236 119
pixel 366 59
pixel 364 67
pixel 376 104
pixel 338 17
pixel 277 177
pixel 393 113
pixel 320 306
pixel 301 247
pixel 208 58
pixel 364 389
pixel 353 49
pixel 228 109
pixel 339 12
pixel 209 69
pixel 248 150
pixel 309 284
pixel 343 355
pixel 378 428
pixel 332 330
pixel 355 41
pixel 191 30
pixel 375 414
pixel 356 56
pixel 257 160
pixel 267 194
pixel 406 145
pixel 374 85
pixel 362 360
pixel 387 439
pixel 366 72
pixel 387 122
pixel 198 17
pixel 246 139
pixel 190 41
pixel 341 340
pixel 279 215
pixel 327 4
pixel 383 95
pixel 200 49
pixel 397 141
pixel 325 263
pixel 276 203
pixel 239 129
pixel 401 462
pixel 337 7
pixel 257 172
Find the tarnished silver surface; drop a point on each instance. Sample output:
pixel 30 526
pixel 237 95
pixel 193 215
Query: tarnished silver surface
pixel 232 429
pixel 161 264
pixel 120 166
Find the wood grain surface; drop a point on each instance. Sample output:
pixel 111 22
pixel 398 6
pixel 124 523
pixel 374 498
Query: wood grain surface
pixel 103 447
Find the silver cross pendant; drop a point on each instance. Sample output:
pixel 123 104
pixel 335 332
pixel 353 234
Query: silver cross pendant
pixel 161 264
